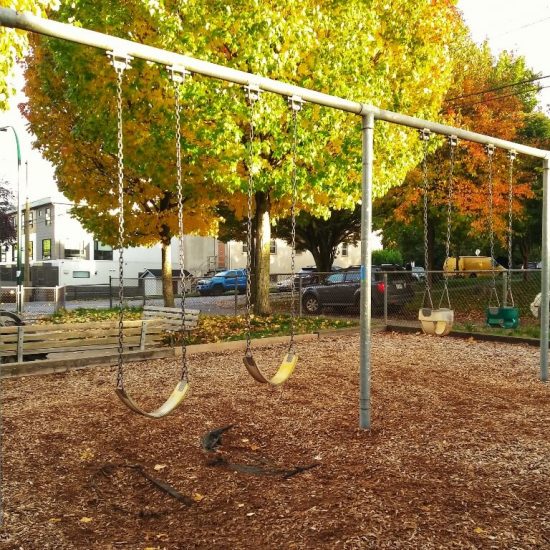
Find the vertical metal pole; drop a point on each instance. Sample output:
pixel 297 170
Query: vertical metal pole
pixel 367 129
pixel 545 275
pixel 300 312
pixel 111 291
pixel 386 299
pixel 236 298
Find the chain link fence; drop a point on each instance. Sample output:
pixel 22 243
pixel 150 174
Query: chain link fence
pixel 397 296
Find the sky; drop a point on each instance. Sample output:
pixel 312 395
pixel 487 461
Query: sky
pixel 522 26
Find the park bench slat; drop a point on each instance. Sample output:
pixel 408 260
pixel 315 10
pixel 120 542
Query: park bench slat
pixel 74 338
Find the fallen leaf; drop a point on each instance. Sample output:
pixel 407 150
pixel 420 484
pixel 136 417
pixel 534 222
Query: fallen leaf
pixel 86 520
pixel 197 497
pixel 159 467
pixel 54 520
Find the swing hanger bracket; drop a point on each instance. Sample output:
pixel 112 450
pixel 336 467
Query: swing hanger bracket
pixel 120 60
pixel 295 102
pixel 425 134
pixel 178 74
pixel 512 154
pixel 253 92
pixel 490 149
pixel 453 140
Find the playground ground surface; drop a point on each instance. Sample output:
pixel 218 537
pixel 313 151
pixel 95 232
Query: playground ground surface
pixel 457 456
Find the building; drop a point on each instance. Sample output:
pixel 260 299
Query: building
pixel 61 252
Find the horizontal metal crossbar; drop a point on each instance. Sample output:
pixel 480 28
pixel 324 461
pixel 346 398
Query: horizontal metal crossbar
pixel 29 22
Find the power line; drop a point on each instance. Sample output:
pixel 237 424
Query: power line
pixel 500 97
pixel 536 22
pixel 497 88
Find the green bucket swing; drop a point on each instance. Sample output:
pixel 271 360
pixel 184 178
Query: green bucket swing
pixel 505 315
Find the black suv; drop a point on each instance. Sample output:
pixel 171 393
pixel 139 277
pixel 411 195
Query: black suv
pixel 342 289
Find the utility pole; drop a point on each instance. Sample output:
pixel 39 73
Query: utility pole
pixel 27 270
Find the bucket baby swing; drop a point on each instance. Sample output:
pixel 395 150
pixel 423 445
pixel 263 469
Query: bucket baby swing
pixel 121 63
pixel 505 315
pixel 437 321
pixel 288 364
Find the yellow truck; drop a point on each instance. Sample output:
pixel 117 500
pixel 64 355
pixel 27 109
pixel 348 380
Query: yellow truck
pixel 471 266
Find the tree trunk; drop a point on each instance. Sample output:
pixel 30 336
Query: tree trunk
pixel 260 280
pixel 167 287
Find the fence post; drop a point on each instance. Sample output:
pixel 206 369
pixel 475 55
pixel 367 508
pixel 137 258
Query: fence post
pixel 236 297
pixel 386 299
pixel 299 295
pixel 56 299
pixel 111 292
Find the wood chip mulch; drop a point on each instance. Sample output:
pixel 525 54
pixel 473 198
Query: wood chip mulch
pixel 458 456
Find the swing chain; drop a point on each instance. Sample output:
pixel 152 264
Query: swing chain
pixel 295 103
pixel 512 157
pixel 120 63
pixel 252 93
pixel 425 135
pixel 178 76
pixel 490 151
pixel 453 142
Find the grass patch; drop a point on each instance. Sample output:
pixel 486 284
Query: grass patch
pixel 214 328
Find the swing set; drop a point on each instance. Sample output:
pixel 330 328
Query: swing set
pixel 437 319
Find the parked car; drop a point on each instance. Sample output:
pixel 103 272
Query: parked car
pixel 342 289
pixel 223 282
pixel 418 273
pixel 309 276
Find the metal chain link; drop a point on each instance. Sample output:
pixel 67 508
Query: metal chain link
pixel 512 158
pixel 453 142
pixel 178 78
pixel 252 96
pixel 120 64
pixel 425 137
pixel 295 103
pixel 490 150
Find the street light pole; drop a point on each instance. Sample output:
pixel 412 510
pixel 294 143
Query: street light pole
pixel 18 272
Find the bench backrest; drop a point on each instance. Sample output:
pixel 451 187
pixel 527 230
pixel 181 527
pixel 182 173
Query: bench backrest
pixel 172 316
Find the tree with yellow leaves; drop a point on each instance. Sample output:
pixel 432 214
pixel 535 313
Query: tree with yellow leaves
pixel 393 54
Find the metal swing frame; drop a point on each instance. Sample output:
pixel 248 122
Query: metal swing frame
pixel 288 364
pixel 436 321
pixel 368 113
pixel 121 62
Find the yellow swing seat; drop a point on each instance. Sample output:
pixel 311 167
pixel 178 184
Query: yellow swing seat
pixel 436 321
pixel 283 373
pixel 168 407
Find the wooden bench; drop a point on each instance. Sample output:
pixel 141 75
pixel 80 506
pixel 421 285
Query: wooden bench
pixel 30 342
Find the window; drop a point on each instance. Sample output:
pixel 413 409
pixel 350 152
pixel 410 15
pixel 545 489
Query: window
pixel 73 253
pixel 81 274
pixel 46 249
pixel 353 277
pixel 13 252
pixel 335 278
pixel 48 216
pixel 245 248
pixel 39 212
pixel 102 251
pixel 30 250
pixel 31 218
pixel 344 249
pixel 273 246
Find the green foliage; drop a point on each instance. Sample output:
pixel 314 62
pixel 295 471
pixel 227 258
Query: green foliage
pixel 14 43
pixel 387 256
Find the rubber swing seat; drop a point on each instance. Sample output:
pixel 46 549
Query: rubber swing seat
pixel 438 322
pixel 503 317
pixel 283 373
pixel 169 406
